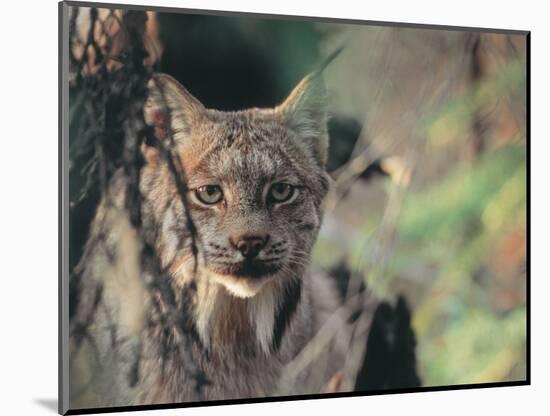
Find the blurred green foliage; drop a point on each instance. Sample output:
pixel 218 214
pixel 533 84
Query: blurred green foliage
pixel 457 243
pixel 456 227
pixel 469 226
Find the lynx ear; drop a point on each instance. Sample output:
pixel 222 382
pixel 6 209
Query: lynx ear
pixel 169 107
pixel 305 112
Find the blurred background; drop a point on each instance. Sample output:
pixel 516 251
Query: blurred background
pixel 428 156
pixel 447 227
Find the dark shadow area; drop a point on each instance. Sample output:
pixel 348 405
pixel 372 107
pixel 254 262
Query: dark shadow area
pixel 390 360
pixel 231 63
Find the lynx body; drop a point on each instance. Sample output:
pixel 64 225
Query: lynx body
pixel 235 250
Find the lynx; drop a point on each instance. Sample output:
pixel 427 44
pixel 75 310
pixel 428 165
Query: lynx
pixel 236 250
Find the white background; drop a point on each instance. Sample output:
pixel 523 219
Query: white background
pixel 28 216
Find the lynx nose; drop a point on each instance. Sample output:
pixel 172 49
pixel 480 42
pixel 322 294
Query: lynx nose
pixel 251 245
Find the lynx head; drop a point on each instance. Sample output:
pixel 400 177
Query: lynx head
pixel 255 181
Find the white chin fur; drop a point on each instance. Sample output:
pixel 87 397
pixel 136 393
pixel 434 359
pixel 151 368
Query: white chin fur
pixel 240 287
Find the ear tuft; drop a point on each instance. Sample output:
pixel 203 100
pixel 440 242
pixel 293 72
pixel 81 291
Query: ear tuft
pixel 305 112
pixel 169 107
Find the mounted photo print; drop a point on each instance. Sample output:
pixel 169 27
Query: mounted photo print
pixel 265 208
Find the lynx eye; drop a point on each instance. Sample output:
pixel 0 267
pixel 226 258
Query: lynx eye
pixel 209 194
pixel 281 192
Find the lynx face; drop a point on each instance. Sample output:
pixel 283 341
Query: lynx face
pixel 255 182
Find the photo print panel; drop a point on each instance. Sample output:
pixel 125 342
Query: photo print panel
pixel 265 208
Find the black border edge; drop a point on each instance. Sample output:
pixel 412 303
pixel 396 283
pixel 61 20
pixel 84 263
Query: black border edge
pixel 210 403
pixel 60 377
pixel 63 248
pixel 528 210
pixel 63 381
pixel 323 19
